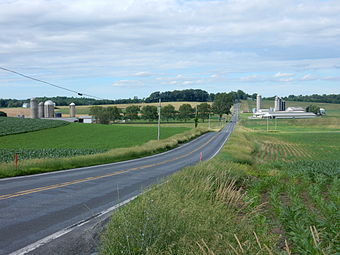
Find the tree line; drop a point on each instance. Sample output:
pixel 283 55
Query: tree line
pixel 221 105
pixel 189 95
pixel 331 98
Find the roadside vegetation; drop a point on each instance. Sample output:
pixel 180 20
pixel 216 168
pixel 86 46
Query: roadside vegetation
pixel 9 126
pixel 264 193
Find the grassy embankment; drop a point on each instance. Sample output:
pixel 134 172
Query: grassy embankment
pixel 265 193
pixel 119 142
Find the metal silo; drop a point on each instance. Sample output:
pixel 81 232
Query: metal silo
pixel 49 109
pixel 34 108
pixel 258 102
pixel 41 110
pixel 72 110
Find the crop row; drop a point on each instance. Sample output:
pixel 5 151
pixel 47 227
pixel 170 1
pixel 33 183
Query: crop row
pixel 9 126
pixel 8 155
pixel 283 151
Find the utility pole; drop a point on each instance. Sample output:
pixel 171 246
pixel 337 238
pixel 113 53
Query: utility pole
pixel 159 120
pixel 209 120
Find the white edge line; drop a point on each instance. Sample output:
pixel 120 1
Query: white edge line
pixel 65 231
pixel 108 164
pixel 230 131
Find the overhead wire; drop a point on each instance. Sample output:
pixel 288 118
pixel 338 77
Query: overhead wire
pixel 48 83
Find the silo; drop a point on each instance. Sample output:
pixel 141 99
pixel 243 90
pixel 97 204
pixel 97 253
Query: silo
pixel 41 110
pixel 49 109
pixel 276 105
pixel 283 105
pixel 34 108
pixel 72 110
pixel 258 102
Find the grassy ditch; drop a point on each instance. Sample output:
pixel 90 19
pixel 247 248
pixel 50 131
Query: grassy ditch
pixel 247 200
pixel 34 166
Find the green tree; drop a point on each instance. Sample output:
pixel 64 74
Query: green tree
pixel 203 111
pixel 131 112
pixel 149 112
pixel 113 112
pixel 104 115
pixel 168 112
pixel 313 108
pixel 185 112
pixel 222 104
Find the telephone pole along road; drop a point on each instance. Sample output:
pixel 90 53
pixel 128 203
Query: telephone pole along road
pixel 34 207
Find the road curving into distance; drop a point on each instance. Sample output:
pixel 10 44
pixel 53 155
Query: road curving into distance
pixel 37 209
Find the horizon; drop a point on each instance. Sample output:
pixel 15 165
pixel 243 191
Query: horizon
pixel 114 49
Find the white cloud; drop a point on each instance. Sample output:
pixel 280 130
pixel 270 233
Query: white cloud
pixel 127 83
pixel 308 77
pixel 287 79
pixel 280 75
pixel 249 78
pixel 187 82
pixel 142 74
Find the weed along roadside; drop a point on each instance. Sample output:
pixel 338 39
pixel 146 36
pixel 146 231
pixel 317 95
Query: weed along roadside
pixel 263 194
pixel 34 166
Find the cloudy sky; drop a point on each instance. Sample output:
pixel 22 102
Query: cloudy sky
pixel 119 49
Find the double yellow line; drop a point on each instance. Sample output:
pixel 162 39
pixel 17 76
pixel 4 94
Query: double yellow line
pixel 59 185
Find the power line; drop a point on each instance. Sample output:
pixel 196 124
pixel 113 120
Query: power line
pixel 51 84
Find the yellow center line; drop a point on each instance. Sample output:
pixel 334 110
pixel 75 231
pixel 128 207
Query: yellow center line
pixel 59 185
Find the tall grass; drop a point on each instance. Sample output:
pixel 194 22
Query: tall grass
pixel 200 210
pixel 34 166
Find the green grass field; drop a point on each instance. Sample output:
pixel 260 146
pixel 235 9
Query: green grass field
pixel 78 139
pixel 265 193
pixel 10 126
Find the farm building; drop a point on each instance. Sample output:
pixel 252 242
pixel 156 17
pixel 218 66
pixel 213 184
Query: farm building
pixel 280 111
pixel 289 115
pixel 86 119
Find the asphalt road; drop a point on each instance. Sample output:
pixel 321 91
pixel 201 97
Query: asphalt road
pixel 34 207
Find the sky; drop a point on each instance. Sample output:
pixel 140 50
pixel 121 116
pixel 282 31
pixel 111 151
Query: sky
pixel 120 49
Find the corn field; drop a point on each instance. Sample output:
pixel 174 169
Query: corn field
pixel 8 155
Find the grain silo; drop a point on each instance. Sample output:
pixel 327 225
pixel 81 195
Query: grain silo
pixel 258 102
pixel 34 108
pixel 41 110
pixel 72 110
pixel 49 109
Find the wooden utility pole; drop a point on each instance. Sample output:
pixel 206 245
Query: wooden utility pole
pixel 159 120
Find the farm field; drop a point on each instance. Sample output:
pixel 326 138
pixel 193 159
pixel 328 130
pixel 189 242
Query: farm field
pixel 9 126
pixel 79 139
pixel 264 193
